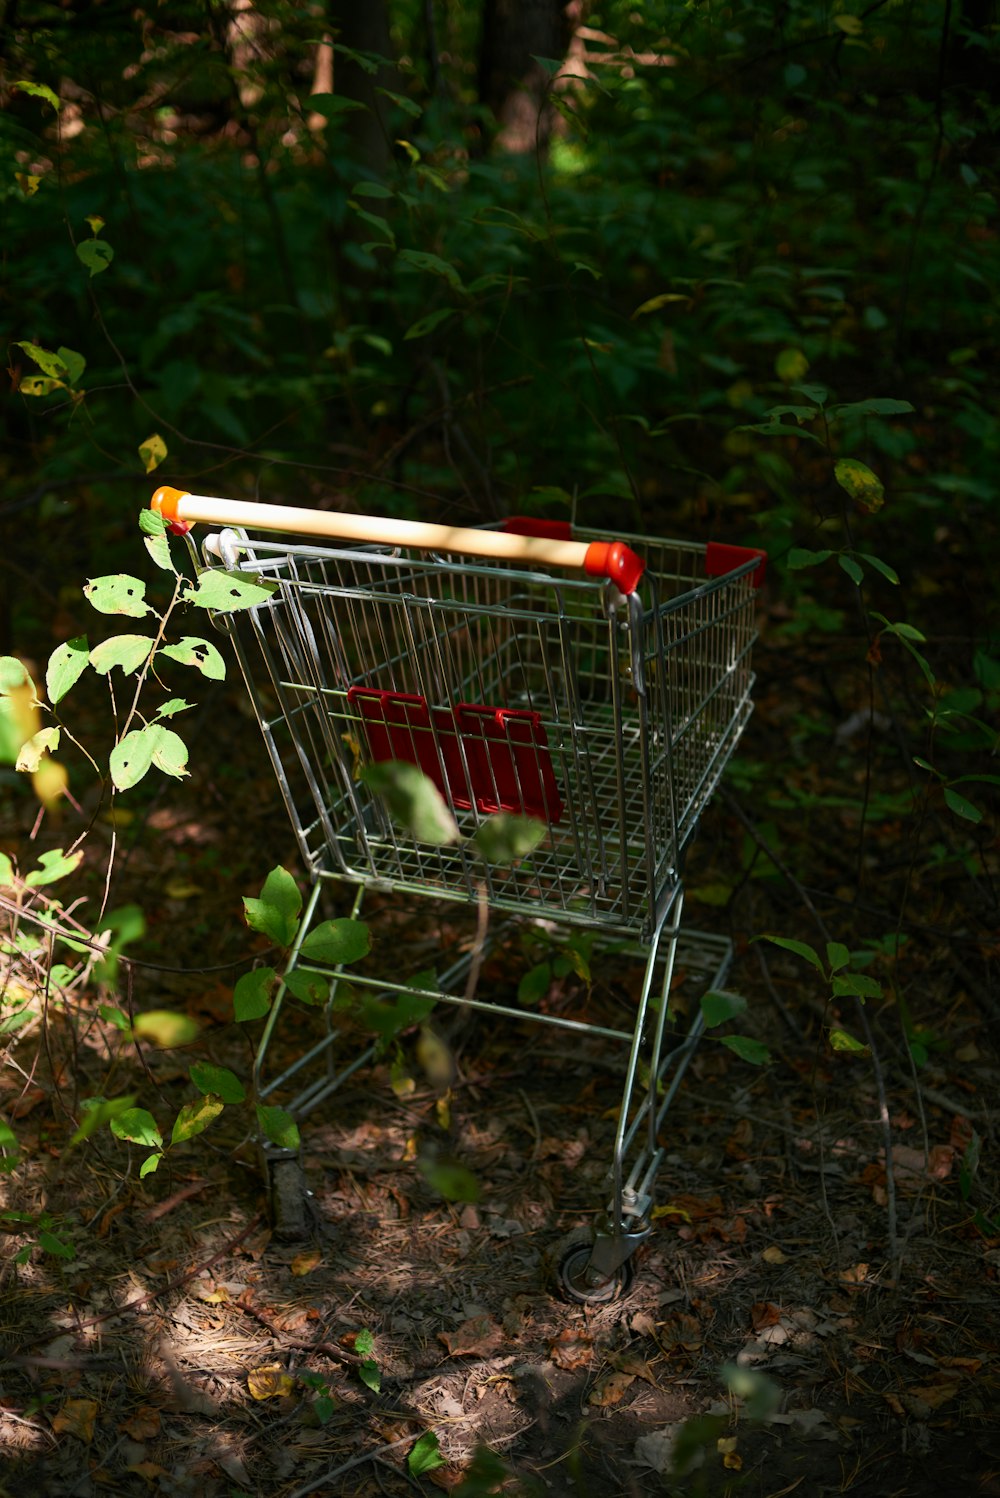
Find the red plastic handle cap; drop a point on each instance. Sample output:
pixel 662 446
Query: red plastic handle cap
pixel 614 560
pixel 165 502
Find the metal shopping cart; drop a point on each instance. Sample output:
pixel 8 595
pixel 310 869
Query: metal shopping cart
pixel 597 686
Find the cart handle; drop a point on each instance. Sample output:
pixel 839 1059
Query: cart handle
pixel 611 559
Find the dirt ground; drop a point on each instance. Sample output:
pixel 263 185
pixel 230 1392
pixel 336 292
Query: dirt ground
pixel 771 1343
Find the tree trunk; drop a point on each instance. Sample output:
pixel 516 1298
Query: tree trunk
pixel 511 82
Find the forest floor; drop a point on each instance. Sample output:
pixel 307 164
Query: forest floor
pixel 186 1350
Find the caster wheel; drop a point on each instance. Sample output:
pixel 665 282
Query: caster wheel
pixel 289 1211
pixel 575 1282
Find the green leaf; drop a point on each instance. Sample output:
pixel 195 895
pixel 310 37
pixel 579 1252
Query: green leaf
pixel 800 948
pixel 127 651
pixel 425 325
pixel 39 91
pixel 535 984
pixel 414 802
pixel 75 364
pixel 853 569
pixel 791 366
pixel 389 1017
pixel 165 1027
pixel 335 942
pixel 421 260
pixel 408 106
pixel 961 806
pixel 252 994
pixel 841 1041
pixel 878 406
pixel 131 758
pixel 152 523
pixel 278 1125
pixel 717 1007
pixel 118 594
pixel 656 302
pixel 860 483
pixel 112 1015
pixel 747 1049
pixel 194 1118
pixel 45 741
pixel 275 914
pixel 453 1182
pixel 837 955
pixel 202 654
pixel 425 1455
pixel 855 986
pixel 159 549
pixel 504 838
pixel 331 105
pixel 48 362
pixel 53 865
pixel 218 1080
pixel 150 1164
pixel 137 1126
pixel 6 872
pixel 55 1245
pixel 798 558
pixel 67 664
pixel 815 393
pixel 173 707
pixel 96 255
pixel 307 987
pixel 780 429
pixel 152 451
pixel 889 573
pixel 227 592
pixel 369 1374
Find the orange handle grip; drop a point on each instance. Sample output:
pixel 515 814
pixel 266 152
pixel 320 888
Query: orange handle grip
pixel 610 559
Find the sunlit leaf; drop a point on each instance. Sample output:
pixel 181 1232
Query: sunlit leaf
pixel 45 741
pixel 98 1111
pixel 270 1381
pixel 454 1182
pixel 118 594
pixel 227 592
pixel 75 363
pixel 152 451
pixel 37 385
pixel 165 1027
pixel 138 1126
pixel 53 865
pixel 77 1418
pixel 67 664
pixel 150 1164
pixel 841 1041
pixel 202 654
pixel 127 651
pixel 48 362
pixel 194 1118
pixel 38 91
pixel 414 802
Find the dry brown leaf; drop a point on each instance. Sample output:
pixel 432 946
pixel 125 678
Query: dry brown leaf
pixel 856 1275
pixel 76 1418
pixel 571 1349
pixel 269 1381
pixel 305 1263
pixel 773 1255
pixel 739 1142
pixel 933 1395
pixel 151 1471
pixel 635 1364
pixel 764 1313
pixel 143 1425
pixel 610 1389
pixel 969 1366
pixel 477 1337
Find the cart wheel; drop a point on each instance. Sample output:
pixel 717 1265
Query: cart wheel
pixel 289 1213
pixel 571 1259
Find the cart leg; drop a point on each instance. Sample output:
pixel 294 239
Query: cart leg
pixel 594 1267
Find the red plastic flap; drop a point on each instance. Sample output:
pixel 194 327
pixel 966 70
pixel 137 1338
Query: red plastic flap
pixel 533 525
pixel 720 559
pixel 494 757
pixel 515 763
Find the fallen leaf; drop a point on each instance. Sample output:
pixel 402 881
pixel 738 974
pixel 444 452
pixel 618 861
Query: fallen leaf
pixel 217 1296
pixel 76 1418
pixel 970 1366
pixel 149 1470
pixel 763 1313
pixel 571 1349
pixel 773 1255
pixel 610 1389
pixel 305 1263
pixel 635 1364
pixel 933 1395
pixel 477 1337
pixel 726 1447
pixel 143 1425
pixel 856 1275
pixel 269 1381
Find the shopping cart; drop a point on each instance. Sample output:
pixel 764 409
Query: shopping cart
pixel 524 669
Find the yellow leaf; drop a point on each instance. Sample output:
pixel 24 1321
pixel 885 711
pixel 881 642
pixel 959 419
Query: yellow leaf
pixel 27 183
pixel 49 781
pixel 95 221
pixel 269 1381
pixel 153 451
pixel 216 1297
pixel 669 1210
pixel 76 1418
pixel 307 1262
pixel 773 1255
pixel 442 1108
pixel 610 1389
pixel 182 889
